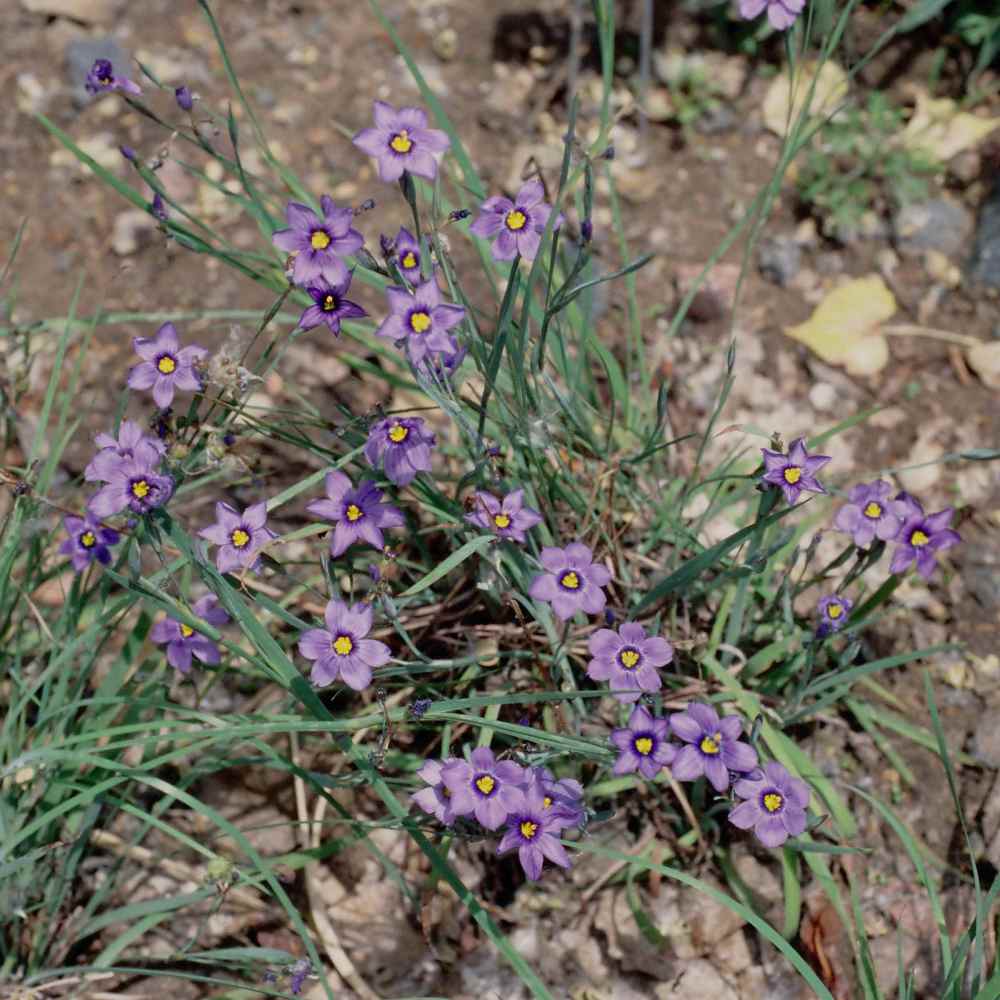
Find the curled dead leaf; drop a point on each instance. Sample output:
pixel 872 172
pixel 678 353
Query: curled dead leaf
pixel 938 129
pixel 787 96
pixel 985 360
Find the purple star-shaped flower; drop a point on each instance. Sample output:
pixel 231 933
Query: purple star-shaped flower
pixel 87 541
pixel 643 744
pixel 165 366
pixel 562 799
pixel 183 642
pixel 420 318
pixel 402 445
pixel 628 660
pixel 713 746
pixel 870 514
pixel 775 804
pixel 239 536
pixel 781 13
pixel 573 581
pixel 407 251
pixel 531 833
pixel 130 443
pixel 359 514
pixel 401 141
pixel 921 537
pixel 329 305
pixel 342 649
pixel 507 518
pixel 102 78
pixel 435 799
pixel 319 243
pixel 517 225
pixel 833 613
pixel 795 471
pixel 132 485
pixel 483 787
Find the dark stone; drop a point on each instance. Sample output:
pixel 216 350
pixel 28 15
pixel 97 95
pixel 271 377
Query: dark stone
pixel 81 55
pixel 779 259
pixel 939 224
pixel 984 265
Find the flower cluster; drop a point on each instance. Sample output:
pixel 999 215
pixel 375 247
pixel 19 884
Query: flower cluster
pixel 530 802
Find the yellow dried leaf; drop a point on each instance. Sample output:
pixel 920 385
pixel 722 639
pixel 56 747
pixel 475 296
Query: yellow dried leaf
pixel 985 359
pixel 845 328
pixel 939 130
pixel 786 98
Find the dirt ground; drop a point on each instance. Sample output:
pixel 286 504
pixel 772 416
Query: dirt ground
pixel 312 68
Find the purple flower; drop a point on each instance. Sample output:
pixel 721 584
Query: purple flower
pixel 508 518
pixel 795 471
pixel 184 98
pixel 870 514
pixel 714 748
pixel 420 318
pixel 403 446
pixel 131 485
pixel 360 514
pixel 519 223
pixel 102 78
pixel 182 641
pixel 562 799
pixel 130 443
pixel 443 364
pixel 165 366
pixel 341 649
pixel 833 611
pixel 319 243
pixel 572 582
pixel 407 249
pixel 239 536
pixel 643 744
pixel 531 833
pixel 158 208
pixel 781 13
pixel 298 974
pixel 484 787
pixel 775 804
pixel 435 799
pixel 921 537
pixel 129 153
pixel 628 660
pixel 329 305
pixel 87 541
pixel 401 141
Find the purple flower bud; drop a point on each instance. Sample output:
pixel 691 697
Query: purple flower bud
pixel 185 99
pixel 158 208
pixel 587 230
pixel 418 709
pixel 129 153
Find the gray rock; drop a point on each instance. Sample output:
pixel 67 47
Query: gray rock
pixel 939 224
pixel 779 259
pixel 984 265
pixel 717 120
pixel 986 738
pixel 81 55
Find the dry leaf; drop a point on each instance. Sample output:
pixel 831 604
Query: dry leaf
pixel 845 327
pixel 939 130
pixel 785 99
pixel 985 359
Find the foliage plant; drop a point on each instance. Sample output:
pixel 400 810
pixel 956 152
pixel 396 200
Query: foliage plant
pixel 520 474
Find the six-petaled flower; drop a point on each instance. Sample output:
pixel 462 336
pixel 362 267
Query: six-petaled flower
pixel 921 537
pixel 774 804
pixel 88 540
pixel 628 660
pixel 165 366
pixel 532 833
pixel 402 445
pixel 343 650
pixel 319 242
pixel 402 142
pixel 643 745
pixel 420 318
pixel 870 513
pixel 359 514
pixel 713 746
pixel 483 787
pixel 183 642
pixel 833 613
pixel 516 225
pixel 507 518
pixel 795 471
pixel 572 581
pixel 131 485
pixel 239 536
pixel 329 304
pixel 407 252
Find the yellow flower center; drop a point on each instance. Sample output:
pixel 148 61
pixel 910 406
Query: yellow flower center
pixel 644 745
pixel 397 433
pixel 186 631
pixel 319 239
pixel 485 784
pixel 166 365
pixel 401 142
pixel 834 610
pixel 501 520
pixel 873 509
pixel 409 260
pixel 420 322
pixel 353 512
pixel 773 802
pixel 792 474
pixel 711 744
pixel 919 538
pixel 342 645
pixel 329 304
pixel 570 581
pixel 239 538
pixel 628 658
pixel 88 539
pixel 516 219
pixel 529 829
pixel 547 802
pixel 140 489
